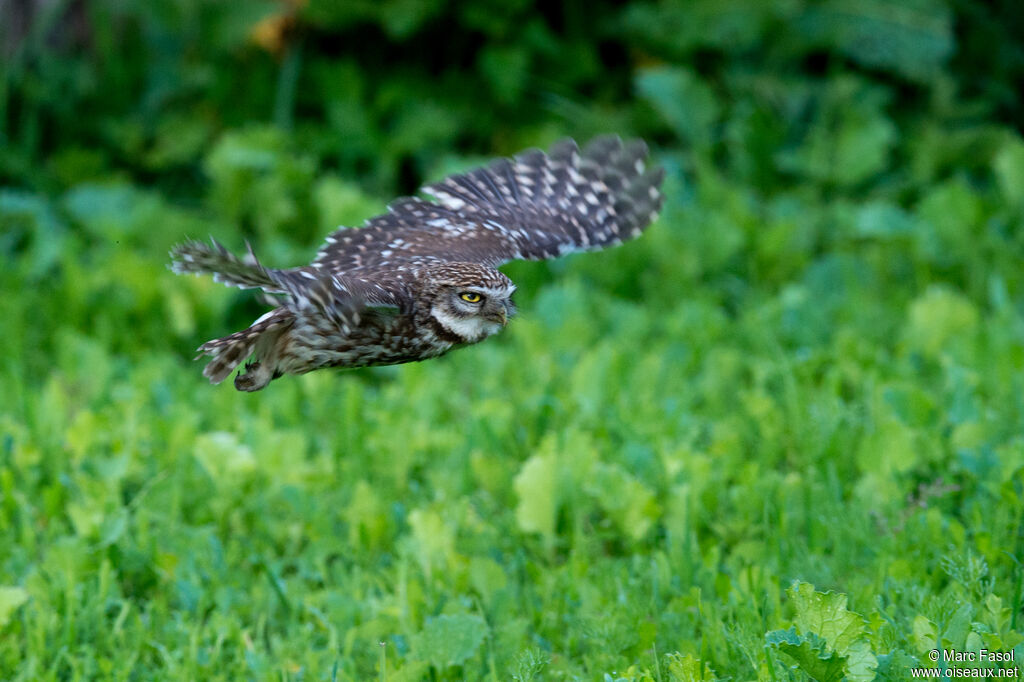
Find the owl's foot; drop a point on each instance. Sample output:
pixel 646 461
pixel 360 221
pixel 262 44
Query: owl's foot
pixel 255 377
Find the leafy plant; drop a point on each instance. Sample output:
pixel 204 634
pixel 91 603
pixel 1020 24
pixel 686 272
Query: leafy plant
pixel 807 372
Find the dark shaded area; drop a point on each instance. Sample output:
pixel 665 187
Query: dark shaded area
pixel 381 90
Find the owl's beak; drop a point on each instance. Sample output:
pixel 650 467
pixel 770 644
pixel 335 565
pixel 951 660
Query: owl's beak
pixel 499 315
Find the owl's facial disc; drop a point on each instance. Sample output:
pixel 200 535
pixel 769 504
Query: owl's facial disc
pixel 473 313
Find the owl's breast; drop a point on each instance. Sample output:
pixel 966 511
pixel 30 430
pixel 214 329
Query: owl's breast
pixel 380 340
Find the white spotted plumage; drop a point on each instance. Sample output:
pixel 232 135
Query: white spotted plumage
pixel 389 292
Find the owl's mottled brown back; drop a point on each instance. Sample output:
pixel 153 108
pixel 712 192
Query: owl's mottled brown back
pixel 420 279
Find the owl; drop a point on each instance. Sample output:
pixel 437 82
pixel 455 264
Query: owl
pixel 422 279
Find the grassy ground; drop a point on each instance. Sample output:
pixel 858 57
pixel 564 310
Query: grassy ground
pixel 780 437
pixel 623 485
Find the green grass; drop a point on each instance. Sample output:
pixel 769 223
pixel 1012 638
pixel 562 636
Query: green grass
pixel 623 485
pixel 779 437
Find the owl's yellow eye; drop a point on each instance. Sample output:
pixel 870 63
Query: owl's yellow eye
pixel 470 297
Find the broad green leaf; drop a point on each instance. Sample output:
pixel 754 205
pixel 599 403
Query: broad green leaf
pixel 536 487
pixel 925 634
pixel 30 230
pixel 506 69
pixel 847 145
pixel 958 626
pixel 861 663
pixel 87 516
pixel 625 499
pixel 824 614
pixel 678 28
pixel 487 577
pixel 11 598
pixel 181 313
pixel 105 209
pixel 1009 169
pixel 894 665
pixel 367 517
pixel 997 616
pixel 883 220
pixel 450 639
pixel 223 456
pixel 913 38
pixel 811 654
pixel 113 527
pixel 951 217
pixel 686 103
pixel 890 448
pixel 937 317
pixel 434 540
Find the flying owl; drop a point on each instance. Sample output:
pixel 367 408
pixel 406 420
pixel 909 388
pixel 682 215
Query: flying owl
pixel 421 279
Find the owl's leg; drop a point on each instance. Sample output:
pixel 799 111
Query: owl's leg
pixel 261 340
pixel 266 363
pixel 256 376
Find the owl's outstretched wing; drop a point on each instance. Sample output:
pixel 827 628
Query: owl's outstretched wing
pixel 341 298
pixel 533 207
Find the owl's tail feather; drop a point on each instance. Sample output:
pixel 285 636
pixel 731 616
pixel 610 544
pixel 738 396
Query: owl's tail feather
pixel 197 258
pixel 339 298
pixel 261 340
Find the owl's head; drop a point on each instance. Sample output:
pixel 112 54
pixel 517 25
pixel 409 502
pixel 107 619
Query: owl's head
pixel 469 300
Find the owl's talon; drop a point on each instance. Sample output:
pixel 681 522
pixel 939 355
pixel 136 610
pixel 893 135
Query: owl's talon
pixel 253 379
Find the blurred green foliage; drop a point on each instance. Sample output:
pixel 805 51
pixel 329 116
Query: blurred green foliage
pixel 778 437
